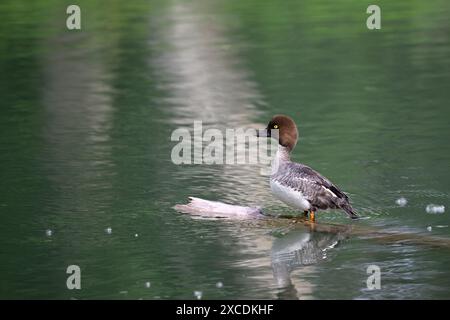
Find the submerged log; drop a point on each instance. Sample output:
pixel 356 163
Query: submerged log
pixel 377 234
pixel 213 209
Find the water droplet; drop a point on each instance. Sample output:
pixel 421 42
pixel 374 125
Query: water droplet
pixel 148 284
pixel 219 284
pixel 401 202
pixel 434 208
pixel 198 294
pixel 48 232
pixel 108 230
pixel 429 228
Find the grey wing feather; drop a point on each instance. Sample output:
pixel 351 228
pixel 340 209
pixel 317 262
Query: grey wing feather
pixel 319 191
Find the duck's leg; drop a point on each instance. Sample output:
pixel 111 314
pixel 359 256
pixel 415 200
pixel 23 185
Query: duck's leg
pixel 305 213
pixel 312 216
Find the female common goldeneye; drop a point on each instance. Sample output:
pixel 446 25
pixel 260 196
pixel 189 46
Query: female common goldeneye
pixel 297 184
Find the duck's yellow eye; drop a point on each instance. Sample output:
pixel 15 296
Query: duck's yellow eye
pixel 275 126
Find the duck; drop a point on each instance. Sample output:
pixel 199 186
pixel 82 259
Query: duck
pixel 296 184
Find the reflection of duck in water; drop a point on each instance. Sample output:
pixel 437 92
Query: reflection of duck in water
pixel 301 248
pixel 297 184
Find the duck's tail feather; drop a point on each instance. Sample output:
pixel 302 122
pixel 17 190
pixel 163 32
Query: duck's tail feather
pixel 349 210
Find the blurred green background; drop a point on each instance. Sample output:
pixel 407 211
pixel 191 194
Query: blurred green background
pixel 85 125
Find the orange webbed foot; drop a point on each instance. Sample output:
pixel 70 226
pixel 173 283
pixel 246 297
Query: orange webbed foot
pixel 312 216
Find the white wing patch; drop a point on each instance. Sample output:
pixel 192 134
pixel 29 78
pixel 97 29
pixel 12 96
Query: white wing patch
pixel 330 192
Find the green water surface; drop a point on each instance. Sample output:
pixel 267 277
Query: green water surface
pixel 85 126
